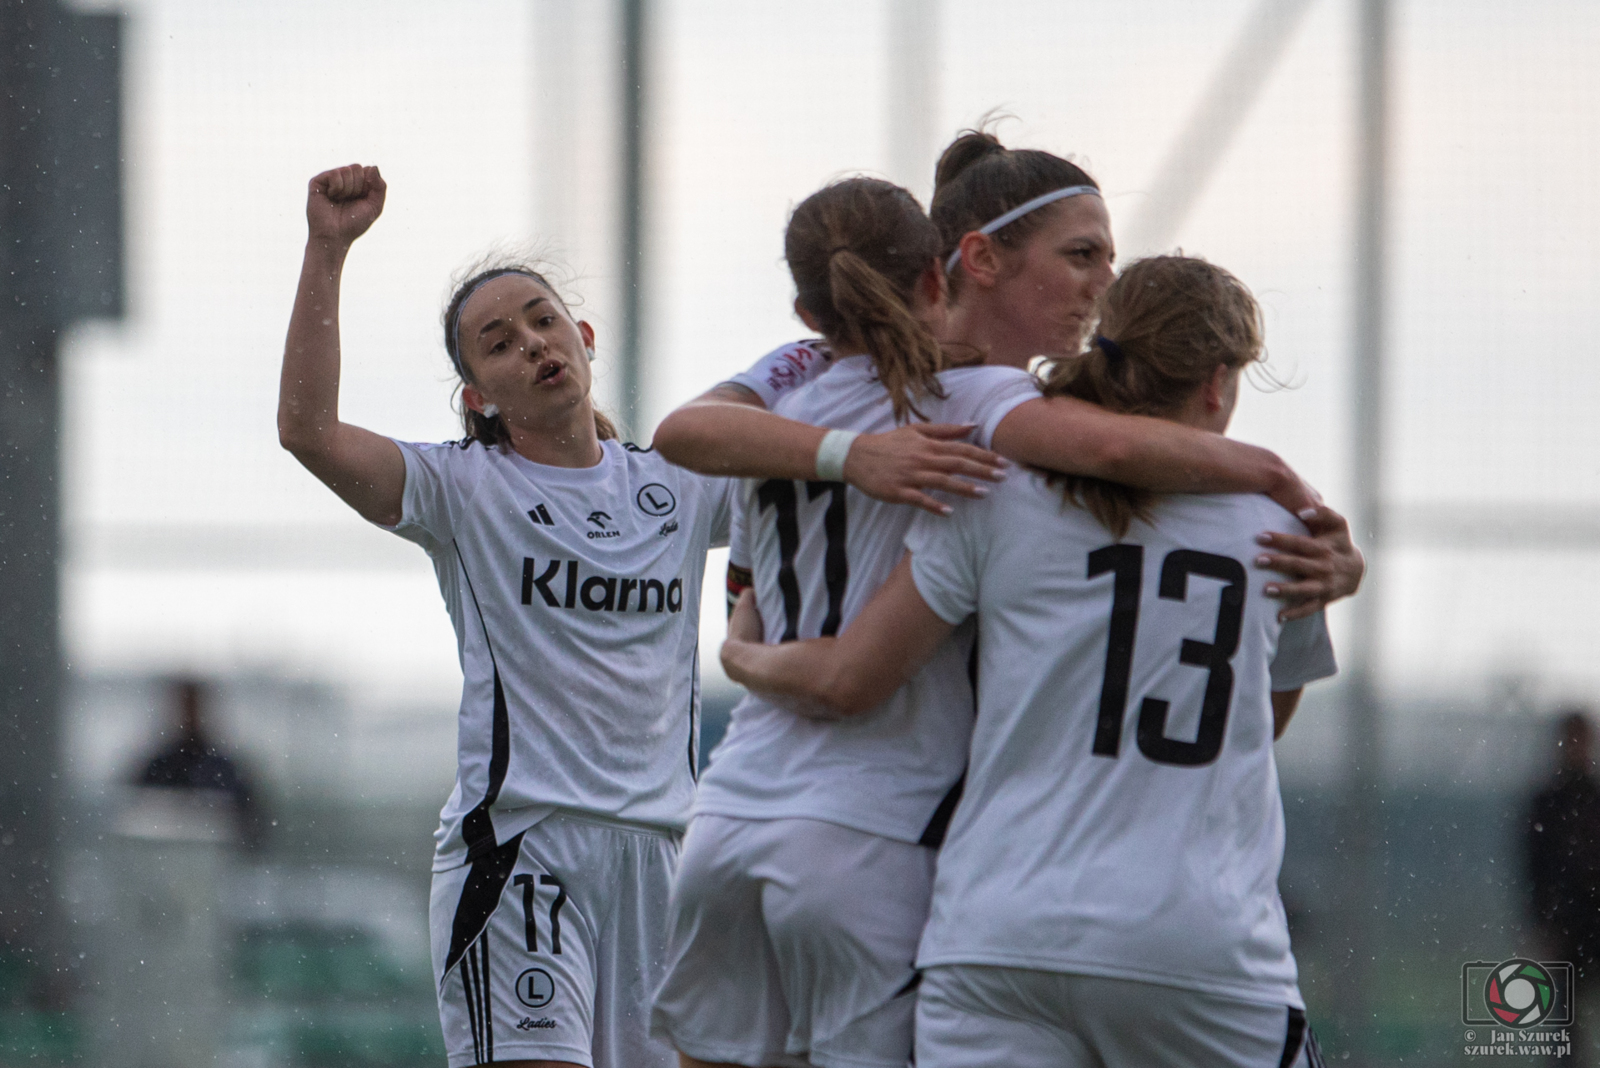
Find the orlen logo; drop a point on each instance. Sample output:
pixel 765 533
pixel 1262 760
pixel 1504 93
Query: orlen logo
pixel 601 519
pixel 598 593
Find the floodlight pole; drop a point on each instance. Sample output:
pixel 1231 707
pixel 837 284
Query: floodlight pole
pixel 1364 776
pixel 631 188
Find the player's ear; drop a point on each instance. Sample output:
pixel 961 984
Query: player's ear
pixel 806 316
pixel 587 333
pixel 1215 390
pixel 980 258
pixel 473 399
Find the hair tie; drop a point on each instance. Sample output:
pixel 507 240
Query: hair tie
pixel 835 250
pixel 1112 350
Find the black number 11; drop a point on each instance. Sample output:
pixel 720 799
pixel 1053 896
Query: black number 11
pixel 779 495
pixel 1126 563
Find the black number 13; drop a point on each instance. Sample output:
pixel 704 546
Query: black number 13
pixel 1126 563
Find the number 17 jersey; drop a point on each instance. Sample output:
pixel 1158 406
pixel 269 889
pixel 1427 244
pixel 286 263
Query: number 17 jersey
pixel 817 552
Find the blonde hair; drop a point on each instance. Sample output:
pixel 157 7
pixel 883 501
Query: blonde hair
pixel 1166 324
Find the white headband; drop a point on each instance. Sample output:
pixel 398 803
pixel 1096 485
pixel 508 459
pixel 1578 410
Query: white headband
pixel 1019 211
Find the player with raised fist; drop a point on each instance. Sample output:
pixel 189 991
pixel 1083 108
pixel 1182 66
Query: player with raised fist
pixel 571 565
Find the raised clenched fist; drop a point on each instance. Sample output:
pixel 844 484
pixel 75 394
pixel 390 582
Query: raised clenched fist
pixel 342 203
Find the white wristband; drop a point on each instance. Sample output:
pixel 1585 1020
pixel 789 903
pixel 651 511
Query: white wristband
pixel 831 455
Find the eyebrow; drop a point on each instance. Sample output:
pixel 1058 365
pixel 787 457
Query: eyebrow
pixel 492 323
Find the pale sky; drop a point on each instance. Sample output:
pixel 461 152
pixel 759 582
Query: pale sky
pixel 491 122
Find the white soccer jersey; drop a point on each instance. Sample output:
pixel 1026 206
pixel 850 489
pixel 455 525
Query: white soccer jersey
pixel 817 552
pixel 575 594
pixel 1121 815
pixel 785 369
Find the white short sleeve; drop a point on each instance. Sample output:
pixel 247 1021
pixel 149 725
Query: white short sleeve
pixel 720 491
pixel 785 369
pixel 428 504
pixel 738 550
pixel 1305 653
pixel 944 565
pixel 984 396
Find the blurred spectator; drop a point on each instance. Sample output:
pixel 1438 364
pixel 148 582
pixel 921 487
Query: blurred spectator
pixel 193 761
pixel 1564 869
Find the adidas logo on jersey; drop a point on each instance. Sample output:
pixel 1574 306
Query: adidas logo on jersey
pixel 597 593
pixel 541 516
pixel 600 519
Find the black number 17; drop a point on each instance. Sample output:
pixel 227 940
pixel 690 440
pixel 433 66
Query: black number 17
pixel 526 882
pixel 1126 563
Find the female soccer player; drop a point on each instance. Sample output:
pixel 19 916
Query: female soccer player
pixel 1107 893
pixel 802 885
pixel 571 566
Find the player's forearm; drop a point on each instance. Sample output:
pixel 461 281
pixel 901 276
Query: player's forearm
pixel 717 437
pixel 1284 702
pixel 791 669
pixel 1077 438
pixel 308 390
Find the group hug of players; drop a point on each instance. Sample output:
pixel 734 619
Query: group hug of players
pixel 1018 644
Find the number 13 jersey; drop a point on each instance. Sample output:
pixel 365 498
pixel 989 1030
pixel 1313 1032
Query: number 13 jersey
pixel 1121 815
pixel 817 552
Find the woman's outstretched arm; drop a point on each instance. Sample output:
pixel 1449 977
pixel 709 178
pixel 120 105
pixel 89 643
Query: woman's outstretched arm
pixel 729 432
pixel 1078 438
pixel 365 469
pixel 878 652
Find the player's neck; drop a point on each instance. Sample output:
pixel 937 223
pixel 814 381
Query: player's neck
pixel 969 327
pixel 574 443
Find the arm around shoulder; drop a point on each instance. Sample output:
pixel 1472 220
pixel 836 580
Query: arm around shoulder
pixel 1078 438
pixel 884 646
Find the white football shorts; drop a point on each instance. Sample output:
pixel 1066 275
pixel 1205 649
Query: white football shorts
pixel 550 946
pixel 792 942
pixel 975 1016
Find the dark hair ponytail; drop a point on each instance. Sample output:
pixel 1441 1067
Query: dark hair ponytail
pixel 857 249
pixel 978 179
pixel 490 430
pixel 1166 324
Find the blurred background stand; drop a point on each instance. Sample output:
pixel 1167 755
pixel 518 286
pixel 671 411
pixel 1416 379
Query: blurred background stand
pixel 163 975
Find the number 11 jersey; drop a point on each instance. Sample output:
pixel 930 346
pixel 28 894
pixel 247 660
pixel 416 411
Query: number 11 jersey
pixel 817 552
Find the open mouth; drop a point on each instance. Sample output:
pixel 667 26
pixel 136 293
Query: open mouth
pixel 550 371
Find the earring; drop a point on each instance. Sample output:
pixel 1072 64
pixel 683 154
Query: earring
pixel 491 410
pixel 590 350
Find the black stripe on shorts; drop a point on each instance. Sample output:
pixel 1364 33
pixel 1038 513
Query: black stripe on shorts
pixel 480 895
pixel 1294 1037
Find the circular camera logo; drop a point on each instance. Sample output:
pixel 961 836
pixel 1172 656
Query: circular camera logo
pixel 1519 992
pixel 535 988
